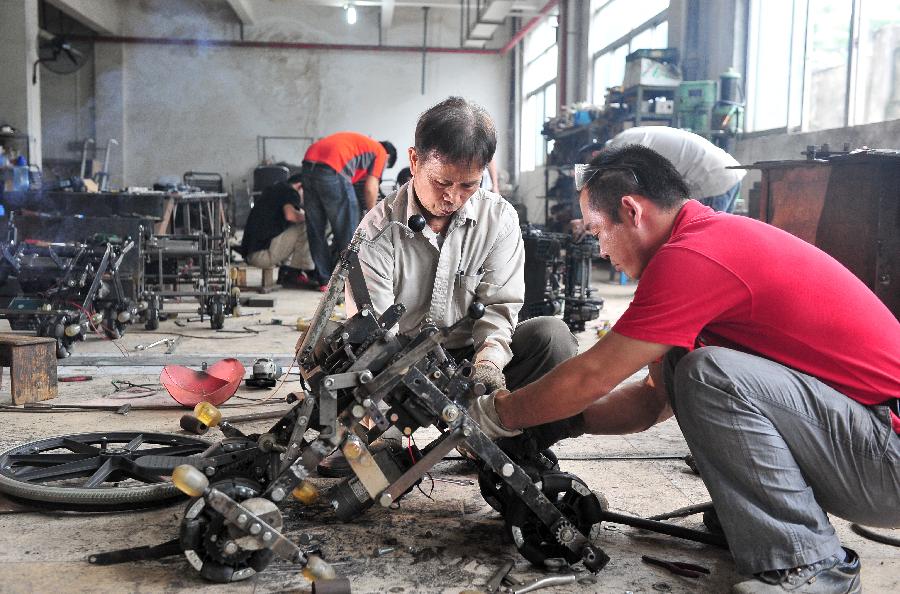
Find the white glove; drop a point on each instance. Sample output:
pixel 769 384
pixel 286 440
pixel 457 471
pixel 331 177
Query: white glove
pixel 484 412
pixel 490 375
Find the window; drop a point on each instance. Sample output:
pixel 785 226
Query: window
pixel 540 55
pixel 618 27
pixel 875 92
pixel 820 64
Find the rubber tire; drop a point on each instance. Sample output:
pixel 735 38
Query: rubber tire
pixel 152 322
pixel 112 499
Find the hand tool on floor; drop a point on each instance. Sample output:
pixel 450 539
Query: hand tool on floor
pixel 677 567
pixel 144 347
pixel 556 580
pixel 493 584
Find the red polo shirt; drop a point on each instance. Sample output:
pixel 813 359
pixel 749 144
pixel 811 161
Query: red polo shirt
pixel 731 281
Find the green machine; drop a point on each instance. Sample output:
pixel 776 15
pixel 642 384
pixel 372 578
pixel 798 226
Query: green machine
pixel 694 101
pixel 711 108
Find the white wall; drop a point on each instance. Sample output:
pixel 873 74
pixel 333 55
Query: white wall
pixel 192 108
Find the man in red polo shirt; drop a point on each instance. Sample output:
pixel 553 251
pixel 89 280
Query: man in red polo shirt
pixel 781 367
pixel 330 168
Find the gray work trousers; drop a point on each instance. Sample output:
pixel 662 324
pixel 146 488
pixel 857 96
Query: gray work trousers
pixel 291 246
pixel 538 345
pixel 777 449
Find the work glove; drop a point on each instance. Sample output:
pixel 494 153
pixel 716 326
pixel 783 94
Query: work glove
pixel 483 412
pixel 490 375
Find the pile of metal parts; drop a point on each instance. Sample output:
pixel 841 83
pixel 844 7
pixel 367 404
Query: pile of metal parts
pixel 558 277
pixel 193 263
pixel 356 370
pixel 66 290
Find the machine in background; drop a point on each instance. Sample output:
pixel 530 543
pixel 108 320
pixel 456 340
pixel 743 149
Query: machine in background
pixel 66 289
pixel 558 277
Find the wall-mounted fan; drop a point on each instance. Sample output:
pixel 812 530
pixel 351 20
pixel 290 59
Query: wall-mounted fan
pixel 59 54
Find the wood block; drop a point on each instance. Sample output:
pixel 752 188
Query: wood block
pixel 268 277
pixel 32 366
pixel 240 276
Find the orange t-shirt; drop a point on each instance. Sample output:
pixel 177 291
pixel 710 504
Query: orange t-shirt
pixel 351 154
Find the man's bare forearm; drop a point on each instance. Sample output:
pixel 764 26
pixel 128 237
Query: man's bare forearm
pixel 560 394
pixel 630 408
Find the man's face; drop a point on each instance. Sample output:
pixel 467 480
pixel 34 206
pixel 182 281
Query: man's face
pixel 622 243
pixel 442 187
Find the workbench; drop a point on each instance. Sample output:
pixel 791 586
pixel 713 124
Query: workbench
pixel 849 206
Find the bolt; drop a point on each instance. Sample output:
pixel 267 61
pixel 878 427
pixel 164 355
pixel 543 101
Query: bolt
pixel 352 449
pixel 437 375
pixel 385 500
pixel 467 430
pixel 267 536
pixel 450 413
pixel 394 417
pixel 209 470
pixel 255 529
pixel 566 534
pixel 242 519
pixel 368 403
pixel 303 420
pixel 358 411
pixel 379 551
pixel 365 377
pixel 364 312
pixel 507 470
pixel 231 548
pixel 328 382
pixel 277 494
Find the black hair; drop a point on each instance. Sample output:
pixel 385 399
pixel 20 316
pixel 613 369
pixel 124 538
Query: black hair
pixel 634 169
pixel 391 151
pixel 295 179
pixel 457 131
pixel 404 176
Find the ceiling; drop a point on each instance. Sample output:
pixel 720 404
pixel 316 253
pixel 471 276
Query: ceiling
pixel 484 16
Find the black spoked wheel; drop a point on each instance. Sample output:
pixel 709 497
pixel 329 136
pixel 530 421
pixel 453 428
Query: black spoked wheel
pixel 535 541
pixel 93 471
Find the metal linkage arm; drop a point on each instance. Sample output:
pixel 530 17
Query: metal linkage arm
pixel 265 534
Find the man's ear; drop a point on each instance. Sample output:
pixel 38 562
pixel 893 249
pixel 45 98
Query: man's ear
pixel 413 160
pixel 632 210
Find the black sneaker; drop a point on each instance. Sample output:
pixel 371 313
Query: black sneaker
pixel 828 576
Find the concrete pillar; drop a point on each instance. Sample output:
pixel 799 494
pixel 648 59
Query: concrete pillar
pixel 575 25
pixel 20 100
pixel 109 101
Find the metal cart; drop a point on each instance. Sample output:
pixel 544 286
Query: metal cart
pixel 188 257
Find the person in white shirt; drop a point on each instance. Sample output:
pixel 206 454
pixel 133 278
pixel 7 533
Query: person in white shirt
pixel 703 165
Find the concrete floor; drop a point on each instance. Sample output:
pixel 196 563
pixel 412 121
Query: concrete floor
pixel 450 543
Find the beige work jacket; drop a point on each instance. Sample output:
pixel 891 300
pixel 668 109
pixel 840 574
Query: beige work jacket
pixel 482 258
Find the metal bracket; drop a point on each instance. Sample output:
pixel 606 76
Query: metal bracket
pixel 257 528
pixel 364 465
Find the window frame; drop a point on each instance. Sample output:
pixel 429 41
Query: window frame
pixel 799 92
pixel 626 39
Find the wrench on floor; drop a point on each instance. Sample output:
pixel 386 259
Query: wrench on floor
pixel 167 341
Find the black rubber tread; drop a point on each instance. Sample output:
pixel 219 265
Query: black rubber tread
pixel 104 498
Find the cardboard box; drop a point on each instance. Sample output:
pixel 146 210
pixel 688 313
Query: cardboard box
pixel 644 71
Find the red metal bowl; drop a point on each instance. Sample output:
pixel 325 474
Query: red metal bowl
pixel 215 385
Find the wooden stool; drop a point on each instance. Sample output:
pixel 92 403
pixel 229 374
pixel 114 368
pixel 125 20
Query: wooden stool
pixel 239 275
pixel 32 366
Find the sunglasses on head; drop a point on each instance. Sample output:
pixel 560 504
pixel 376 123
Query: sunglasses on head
pixel 585 173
